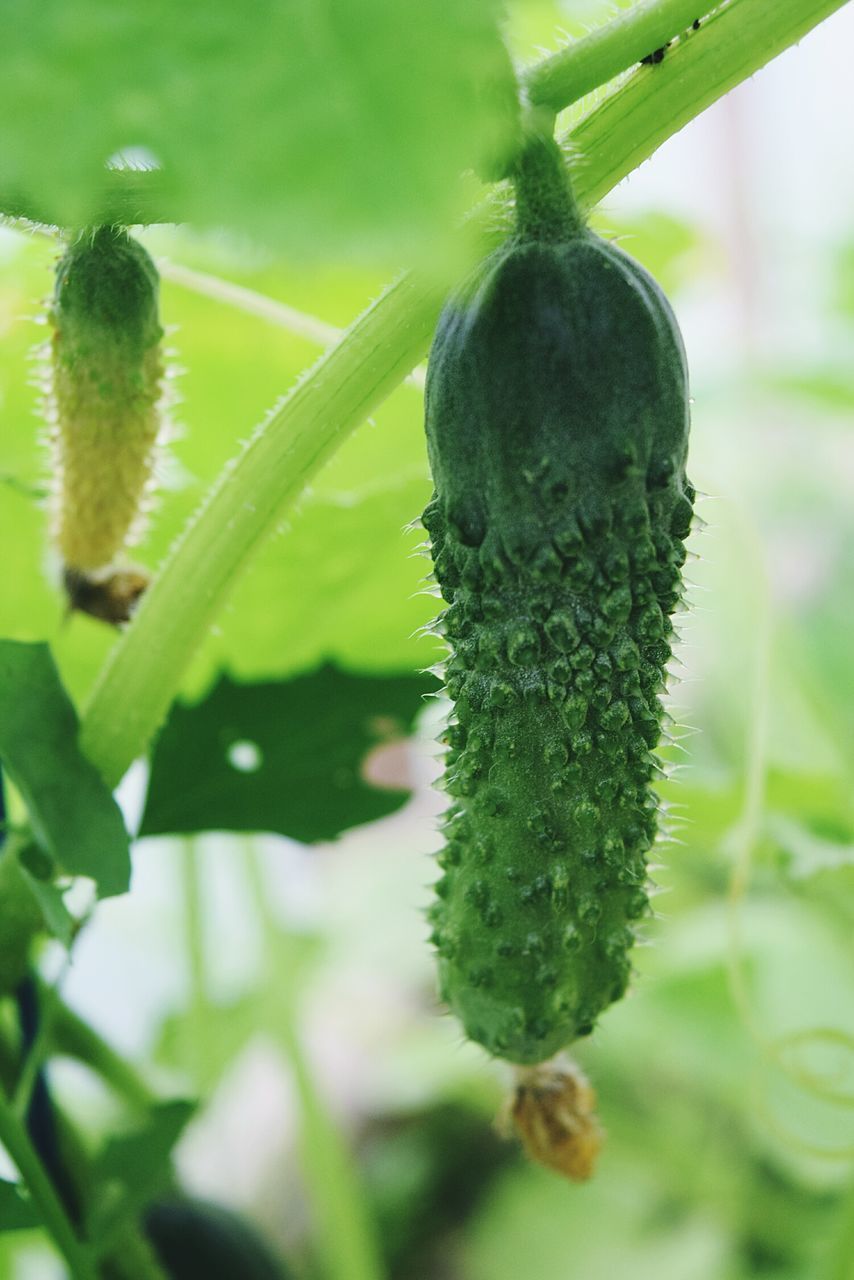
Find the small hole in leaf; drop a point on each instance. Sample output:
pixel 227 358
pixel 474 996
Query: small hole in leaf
pixel 245 756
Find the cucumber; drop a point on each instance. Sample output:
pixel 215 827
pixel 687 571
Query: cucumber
pixel 106 389
pixel 557 417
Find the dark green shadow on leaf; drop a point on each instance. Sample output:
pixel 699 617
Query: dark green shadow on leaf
pixel 283 757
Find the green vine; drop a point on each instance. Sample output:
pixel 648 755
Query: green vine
pixel 14 1137
pixel 559 81
pixel 145 669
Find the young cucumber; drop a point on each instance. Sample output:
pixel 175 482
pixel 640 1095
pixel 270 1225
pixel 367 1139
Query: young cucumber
pixel 106 388
pixel 557 428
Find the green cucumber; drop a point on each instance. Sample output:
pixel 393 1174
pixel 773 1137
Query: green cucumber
pixel 557 422
pixel 106 389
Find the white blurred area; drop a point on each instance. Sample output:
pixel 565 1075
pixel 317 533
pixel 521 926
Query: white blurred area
pixel 768 174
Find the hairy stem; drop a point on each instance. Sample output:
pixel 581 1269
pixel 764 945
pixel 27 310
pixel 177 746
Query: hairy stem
pixel 145 669
pixel 735 42
pixel 566 76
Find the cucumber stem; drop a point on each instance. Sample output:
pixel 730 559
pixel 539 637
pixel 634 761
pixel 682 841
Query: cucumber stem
pixel 545 204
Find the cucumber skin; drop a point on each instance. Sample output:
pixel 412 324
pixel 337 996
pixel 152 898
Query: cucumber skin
pixel 106 389
pixel 557 424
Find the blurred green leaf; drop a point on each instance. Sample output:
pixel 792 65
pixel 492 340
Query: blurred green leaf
pixel 534 1224
pixel 73 814
pixel 134 1167
pixel 283 757
pixel 830 386
pixel 16 1210
pixel 224 1032
pixel 673 250
pixel 57 919
pixel 807 854
pixel 319 127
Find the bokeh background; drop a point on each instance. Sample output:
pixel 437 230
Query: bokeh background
pixel 726 1079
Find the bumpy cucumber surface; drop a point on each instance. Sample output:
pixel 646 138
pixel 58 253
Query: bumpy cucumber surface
pixel 106 385
pixel 557 427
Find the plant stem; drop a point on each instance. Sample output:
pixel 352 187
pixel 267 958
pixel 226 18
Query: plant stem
pixel 648 108
pixel 71 1036
pixel 14 1137
pixel 33 1060
pixel 258 304
pixel 545 203
pixel 254 304
pixel 345 1236
pixel 132 1257
pixel 145 669
pixel 194 943
pixel 559 81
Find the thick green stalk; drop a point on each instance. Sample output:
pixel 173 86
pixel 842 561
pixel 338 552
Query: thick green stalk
pixel 146 667
pixel 14 1137
pixel 584 64
pixel 648 108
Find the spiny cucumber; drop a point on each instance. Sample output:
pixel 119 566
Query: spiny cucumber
pixel 557 419
pixel 106 389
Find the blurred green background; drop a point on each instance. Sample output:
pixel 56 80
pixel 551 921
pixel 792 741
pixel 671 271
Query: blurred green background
pixel 726 1079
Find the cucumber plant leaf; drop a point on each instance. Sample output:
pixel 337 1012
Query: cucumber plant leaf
pixel 56 917
pixel 73 814
pixel 318 126
pixel 282 757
